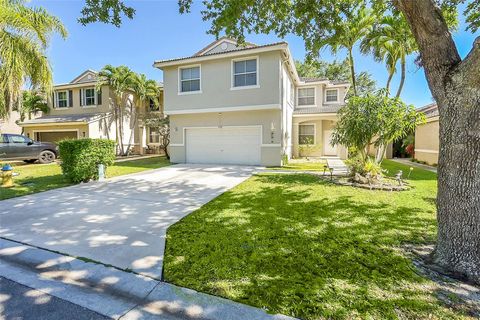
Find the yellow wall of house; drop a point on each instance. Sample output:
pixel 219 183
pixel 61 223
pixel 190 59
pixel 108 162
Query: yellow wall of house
pixel 427 141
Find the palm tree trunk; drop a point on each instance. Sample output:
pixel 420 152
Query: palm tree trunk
pixel 402 79
pixel 387 86
pixel 135 120
pixel 352 71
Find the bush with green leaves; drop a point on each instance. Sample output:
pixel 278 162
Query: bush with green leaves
pixel 80 158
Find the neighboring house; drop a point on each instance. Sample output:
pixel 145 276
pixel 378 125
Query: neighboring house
pixel 246 104
pixel 78 110
pixel 427 136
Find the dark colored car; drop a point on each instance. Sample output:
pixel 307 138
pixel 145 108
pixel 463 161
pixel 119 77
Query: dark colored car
pixel 18 147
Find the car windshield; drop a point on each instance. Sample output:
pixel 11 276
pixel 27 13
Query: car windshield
pixel 3 139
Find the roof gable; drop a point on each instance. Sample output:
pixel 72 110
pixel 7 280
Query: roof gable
pixel 86 76
pixel 223 44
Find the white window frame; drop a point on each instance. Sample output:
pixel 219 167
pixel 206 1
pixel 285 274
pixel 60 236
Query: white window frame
pixel 180 92
pixel 57 100
pixel 338 95
pixel 150 135
pixel 84 98
pixel 314 97
pixel 314 133
pixel 232 73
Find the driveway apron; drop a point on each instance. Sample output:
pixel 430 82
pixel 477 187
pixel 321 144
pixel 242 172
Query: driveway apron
pixel 120 222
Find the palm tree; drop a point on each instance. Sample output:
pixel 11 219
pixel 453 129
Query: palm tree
pixel 120 80
pixel 391 41
pixel 144 90
pixel 347 33
pixel 32 103
pixel 24 36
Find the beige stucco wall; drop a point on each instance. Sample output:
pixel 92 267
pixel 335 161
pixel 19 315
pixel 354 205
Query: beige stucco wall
pixel 427 141
pixel 270 156
pixel 77 109
pixel 216 80
pixel 321 125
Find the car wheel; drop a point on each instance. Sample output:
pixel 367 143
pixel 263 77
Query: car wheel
pixel 46 156
pixel 30 160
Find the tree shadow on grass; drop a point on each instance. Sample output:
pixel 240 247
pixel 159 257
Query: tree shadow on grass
pixel 299 246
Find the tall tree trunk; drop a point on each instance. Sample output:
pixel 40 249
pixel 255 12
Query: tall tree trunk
pixel 387 86
pixel 135 120
pixel 455 86
pixel 352 71
pixel 402 79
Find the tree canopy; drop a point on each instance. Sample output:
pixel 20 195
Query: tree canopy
pixel 25 34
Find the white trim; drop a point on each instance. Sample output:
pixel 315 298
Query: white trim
pixel 214 44
pixel 179 91
pixel 56 102
pixel 332 102
pixel 316 115
pixel 314 133
pixel 426 150
pixel 216 127
pixel 197 59
pixel 232 73
pixel 314 98
pixel 226 109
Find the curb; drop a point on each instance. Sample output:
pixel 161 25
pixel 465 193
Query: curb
pixel 113 292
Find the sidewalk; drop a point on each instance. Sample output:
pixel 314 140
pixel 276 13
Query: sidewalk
pixel 407 162
pixel 114 293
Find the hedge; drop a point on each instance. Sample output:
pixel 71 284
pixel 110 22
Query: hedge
pixel 80 158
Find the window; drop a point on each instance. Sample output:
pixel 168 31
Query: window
pixel 3 138
pixel 62 99
pixel 154 136
pixel 306 134
pixel 332 95
pixel 190 79
pixel 306 97
pixel 89 97
pixel 245 73
pixel 18 139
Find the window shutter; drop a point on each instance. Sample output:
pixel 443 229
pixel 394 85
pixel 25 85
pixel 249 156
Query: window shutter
pixel 70 98
pixel 99 97
pixel 54 100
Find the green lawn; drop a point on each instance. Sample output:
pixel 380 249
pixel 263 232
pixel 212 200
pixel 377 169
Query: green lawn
pixel 297 245
pixel 302 166
pixel 41 177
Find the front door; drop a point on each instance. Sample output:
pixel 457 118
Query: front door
pixel 328 149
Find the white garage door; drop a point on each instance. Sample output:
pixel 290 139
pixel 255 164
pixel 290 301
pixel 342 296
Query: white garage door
pixel 227 145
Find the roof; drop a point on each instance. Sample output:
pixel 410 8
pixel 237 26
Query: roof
pixel 84 118
pixel 309 79
pixel 324 109
pixel 220 40
pixel 220 53
pixel 430 110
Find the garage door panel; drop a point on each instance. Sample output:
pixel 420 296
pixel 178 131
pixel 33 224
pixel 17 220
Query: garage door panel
pixel 227 145
pixel 56 136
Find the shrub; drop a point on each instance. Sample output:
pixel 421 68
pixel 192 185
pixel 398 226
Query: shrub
pixel 81 157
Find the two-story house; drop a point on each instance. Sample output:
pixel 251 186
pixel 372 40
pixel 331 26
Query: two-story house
pixel 79 110
pixel 246 104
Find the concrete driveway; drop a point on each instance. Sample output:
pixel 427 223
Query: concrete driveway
pixel 121 221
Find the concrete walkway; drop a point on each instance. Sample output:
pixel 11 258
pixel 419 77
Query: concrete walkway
pixel 407 162
pixel 339 167
pixel 120 222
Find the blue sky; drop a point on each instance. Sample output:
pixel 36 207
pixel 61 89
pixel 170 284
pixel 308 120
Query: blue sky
pixel 158 32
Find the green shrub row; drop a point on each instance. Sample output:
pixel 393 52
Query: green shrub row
pixel 80 158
